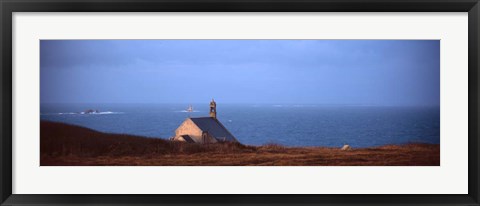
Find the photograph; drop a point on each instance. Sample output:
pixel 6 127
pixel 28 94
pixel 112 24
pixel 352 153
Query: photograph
pixel 239 102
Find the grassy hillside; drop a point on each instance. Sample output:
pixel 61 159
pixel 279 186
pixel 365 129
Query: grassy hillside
pixel 63 144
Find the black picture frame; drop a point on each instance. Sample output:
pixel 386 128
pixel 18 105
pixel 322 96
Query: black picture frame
pixel 7 7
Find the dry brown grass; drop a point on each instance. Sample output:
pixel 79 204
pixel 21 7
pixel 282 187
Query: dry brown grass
pixel 62 144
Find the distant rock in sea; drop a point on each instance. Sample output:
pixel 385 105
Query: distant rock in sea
pixel 90 111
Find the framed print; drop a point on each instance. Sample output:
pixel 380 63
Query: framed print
pixel 259 102
pixel 267 115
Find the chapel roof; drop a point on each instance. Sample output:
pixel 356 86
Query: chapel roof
pixel 188 139
pixel 213 127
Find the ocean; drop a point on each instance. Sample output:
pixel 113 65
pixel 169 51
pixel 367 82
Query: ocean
pixel 289 125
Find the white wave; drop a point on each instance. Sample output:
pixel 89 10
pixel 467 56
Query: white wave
pixel 188 111
pixel 83 113
pixel 294 105
pixel 61 113
pixel 107 112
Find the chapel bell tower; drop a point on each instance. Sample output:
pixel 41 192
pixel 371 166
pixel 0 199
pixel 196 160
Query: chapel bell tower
pixel 213 109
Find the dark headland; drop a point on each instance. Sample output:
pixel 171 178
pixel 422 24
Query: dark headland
pixel 62 144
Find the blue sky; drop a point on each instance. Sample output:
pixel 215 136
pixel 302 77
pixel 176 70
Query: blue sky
pixel 365 72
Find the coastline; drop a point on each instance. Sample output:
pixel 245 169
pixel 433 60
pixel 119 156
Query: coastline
pixel 69 145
